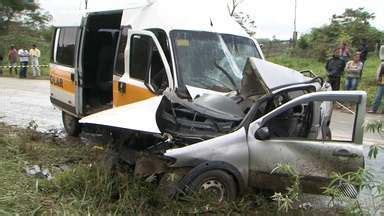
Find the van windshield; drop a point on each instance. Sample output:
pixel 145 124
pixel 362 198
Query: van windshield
pixel 210 60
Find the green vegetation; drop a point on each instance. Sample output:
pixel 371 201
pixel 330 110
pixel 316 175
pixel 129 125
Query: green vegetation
pixel 367 82
pixel 23 32
pixel 352 27
pixel 83 184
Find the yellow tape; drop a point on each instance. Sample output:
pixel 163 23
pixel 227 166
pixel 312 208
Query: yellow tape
pixel 19 66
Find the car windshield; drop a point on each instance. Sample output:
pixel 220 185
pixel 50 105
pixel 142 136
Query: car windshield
pixel 210 60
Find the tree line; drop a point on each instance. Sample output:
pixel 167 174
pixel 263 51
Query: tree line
pixel 23 23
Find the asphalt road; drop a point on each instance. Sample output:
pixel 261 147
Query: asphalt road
pixel 23 101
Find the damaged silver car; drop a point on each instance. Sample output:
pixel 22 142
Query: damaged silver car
pixel 227 142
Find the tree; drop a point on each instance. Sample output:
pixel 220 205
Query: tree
pixel 245 20
pixel 352 27
pixel 22 23
pixel 10 11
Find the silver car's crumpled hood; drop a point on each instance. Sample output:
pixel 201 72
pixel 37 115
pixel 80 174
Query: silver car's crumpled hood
pixel 260 77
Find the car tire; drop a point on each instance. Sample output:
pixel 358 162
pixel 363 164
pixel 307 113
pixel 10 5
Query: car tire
pixel 218 183
pixel 71 125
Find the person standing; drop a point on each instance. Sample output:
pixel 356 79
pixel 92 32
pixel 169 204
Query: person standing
pixel 344 52
pixel 34 53
pixel 353 71
pixel 363 52
pixel 363 55
pixel 24 59
pixel 380 84
pixel 335 68
pixel 1 61
pixel 12 59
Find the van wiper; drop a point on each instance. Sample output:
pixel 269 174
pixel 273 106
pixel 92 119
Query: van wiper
pixel 227 75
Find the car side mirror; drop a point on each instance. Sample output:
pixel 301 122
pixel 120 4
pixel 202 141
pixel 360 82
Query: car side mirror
pixel 262 133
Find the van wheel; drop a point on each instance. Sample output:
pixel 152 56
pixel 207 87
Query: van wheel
pixel 217 185
pixel 71 125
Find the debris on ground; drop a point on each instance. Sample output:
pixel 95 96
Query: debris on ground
pixel 306 206
pixel 38 172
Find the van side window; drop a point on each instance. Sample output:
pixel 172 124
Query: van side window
pixel 66 46
pixel 141 50
pixel 120 64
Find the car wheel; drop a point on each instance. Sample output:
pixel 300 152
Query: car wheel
pixel 216 184
pixel 71 125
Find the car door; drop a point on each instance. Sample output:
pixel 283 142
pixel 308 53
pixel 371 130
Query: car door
pixel 313 159
pixel 136 84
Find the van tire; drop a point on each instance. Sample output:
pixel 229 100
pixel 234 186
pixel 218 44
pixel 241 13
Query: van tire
pixel 216 180
pixel 71 124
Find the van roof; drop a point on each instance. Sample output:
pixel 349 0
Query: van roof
pixel 198 15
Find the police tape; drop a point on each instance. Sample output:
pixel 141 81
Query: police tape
pixel 24 66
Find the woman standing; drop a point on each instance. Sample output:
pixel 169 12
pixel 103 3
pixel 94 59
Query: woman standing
pixel 353 71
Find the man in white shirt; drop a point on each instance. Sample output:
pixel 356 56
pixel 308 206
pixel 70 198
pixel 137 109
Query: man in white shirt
pixel 34 53
pixel 24 58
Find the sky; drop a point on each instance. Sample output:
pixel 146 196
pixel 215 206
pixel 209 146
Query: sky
pixel 274 18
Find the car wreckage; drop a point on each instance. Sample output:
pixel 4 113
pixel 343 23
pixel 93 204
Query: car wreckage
pixel 192 97
pixel 226 143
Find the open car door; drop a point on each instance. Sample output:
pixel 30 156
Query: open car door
pixel 147 71
pixel 280 138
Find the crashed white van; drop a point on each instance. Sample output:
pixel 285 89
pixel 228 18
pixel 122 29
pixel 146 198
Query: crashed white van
pixel 202 103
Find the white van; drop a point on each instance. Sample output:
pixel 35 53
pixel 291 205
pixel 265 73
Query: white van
pixel 107 59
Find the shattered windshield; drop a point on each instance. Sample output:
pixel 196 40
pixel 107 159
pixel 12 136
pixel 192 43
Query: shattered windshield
pixel 210 60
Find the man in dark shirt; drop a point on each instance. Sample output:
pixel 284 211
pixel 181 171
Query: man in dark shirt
pixel 363 54
pixel 335 68
pixel 1 61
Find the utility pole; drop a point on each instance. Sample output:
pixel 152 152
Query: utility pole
pixel 294 38
pixel 86 4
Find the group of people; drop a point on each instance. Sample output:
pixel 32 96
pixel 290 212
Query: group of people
pixel 340 63
pixel 24 57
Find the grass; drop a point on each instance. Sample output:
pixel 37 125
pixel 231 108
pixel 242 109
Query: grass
pixel 86 187
pixel 367 82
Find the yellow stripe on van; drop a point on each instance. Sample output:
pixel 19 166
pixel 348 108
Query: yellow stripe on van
pixel 62 80
pixel 132 94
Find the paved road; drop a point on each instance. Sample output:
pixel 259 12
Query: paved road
pixel 23 101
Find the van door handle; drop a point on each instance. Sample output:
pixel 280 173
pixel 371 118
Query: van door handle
pixel 344 153
pixel 121 86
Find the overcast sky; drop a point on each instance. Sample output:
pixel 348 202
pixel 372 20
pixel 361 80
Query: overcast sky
pixel 273 17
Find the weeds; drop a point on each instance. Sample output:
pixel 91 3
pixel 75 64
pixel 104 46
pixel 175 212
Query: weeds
pixel 344 186
pixel 87 186
pixel 285 201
